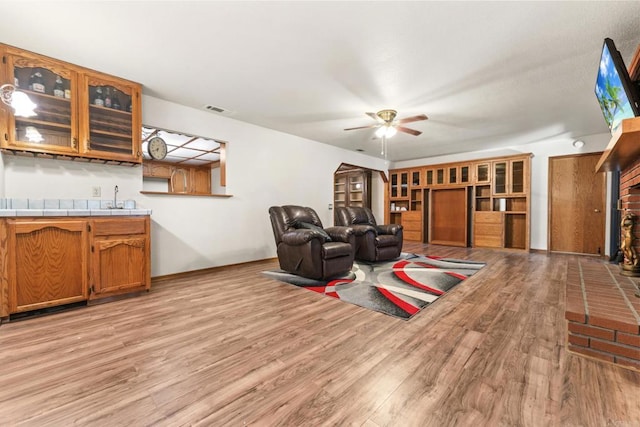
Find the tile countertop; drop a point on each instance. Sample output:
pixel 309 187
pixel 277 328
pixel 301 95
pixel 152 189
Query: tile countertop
pixel 73 212
pixel 68 207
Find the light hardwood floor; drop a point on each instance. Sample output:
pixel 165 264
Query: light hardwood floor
pixel 233 348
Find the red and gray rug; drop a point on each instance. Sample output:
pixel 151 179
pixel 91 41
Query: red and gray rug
pixel 399 288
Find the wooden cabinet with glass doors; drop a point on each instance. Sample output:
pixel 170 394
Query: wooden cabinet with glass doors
pixel 497 191
pixel 352 188
pixel 79 112
pixel 502 203
pixel 110 129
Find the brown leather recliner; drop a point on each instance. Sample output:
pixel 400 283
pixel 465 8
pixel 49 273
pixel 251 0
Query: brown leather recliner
pixel 373 242
pixel 307 249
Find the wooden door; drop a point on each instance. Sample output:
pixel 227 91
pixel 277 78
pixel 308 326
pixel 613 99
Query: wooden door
pixel 576 205
pixel 449 217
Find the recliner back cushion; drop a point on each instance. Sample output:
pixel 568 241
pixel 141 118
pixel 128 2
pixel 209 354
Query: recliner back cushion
pixel 298 214
pixel 358 215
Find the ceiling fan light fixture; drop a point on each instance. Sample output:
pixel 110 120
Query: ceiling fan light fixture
pixel 387 131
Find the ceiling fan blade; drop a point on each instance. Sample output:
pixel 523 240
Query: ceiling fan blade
pixel 407 130
pixel 364 127
pixel 413 119
pixel 373 116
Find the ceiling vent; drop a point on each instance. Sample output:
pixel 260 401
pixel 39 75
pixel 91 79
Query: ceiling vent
pixel 215 109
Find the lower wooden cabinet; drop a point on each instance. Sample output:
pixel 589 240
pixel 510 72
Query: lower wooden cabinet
pixel 119 257
pixel 412 225
pixel 51 262
pixel 47 263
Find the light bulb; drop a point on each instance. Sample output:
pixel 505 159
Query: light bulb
pixel 22 105
pixel 386 130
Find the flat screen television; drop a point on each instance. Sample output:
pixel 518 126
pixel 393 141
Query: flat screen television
pixel 616 93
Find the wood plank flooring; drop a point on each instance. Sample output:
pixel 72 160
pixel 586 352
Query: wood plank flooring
pixel 233 348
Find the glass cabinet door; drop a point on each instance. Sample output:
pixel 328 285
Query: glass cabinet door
pixel 440 176
pixel 404 178
pixel 453 175
pixel 482 172
pixel 430 177
pixel 517 176
pixel 110 129
pixel 52 88
pixel 464 174
pixel 500 177
pixel 415 178
pixel 394 185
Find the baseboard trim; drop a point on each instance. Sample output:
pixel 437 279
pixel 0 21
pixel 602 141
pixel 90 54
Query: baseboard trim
pixel 190 273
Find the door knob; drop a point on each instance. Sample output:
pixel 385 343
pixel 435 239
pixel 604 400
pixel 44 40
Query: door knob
pixel 596 210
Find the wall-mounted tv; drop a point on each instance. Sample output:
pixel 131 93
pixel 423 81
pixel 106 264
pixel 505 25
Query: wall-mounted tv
pixel 615 91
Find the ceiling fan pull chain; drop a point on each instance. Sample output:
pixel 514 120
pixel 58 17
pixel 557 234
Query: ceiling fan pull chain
pixel 383 143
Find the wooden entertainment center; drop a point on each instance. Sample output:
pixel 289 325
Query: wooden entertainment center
pixel 480 203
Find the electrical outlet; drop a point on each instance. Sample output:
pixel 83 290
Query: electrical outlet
pixel 95 191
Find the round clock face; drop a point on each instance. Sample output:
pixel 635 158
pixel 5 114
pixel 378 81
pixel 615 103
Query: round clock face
pixel 157 148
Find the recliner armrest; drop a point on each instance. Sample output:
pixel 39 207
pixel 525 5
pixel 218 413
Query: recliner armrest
pixel 301 236
pixel 340 234
pixel 389 229
pixel 361 229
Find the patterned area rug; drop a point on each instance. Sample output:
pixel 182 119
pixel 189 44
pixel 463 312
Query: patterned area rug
pixel 399 288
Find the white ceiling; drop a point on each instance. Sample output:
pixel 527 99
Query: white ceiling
pixel 488 74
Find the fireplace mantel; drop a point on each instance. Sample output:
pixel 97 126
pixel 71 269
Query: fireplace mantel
pixel 623 148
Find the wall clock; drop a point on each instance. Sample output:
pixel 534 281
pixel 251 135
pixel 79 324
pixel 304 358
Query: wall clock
pixel 157 148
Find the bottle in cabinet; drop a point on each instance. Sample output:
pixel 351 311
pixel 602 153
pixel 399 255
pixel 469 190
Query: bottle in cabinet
pixel 36 82
pixel 107 98
pixel 58 88
pixel 115 101
pixel 99 99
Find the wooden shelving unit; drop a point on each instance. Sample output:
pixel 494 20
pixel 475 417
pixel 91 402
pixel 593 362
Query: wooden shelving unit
pixel 351 187
pixel 483 203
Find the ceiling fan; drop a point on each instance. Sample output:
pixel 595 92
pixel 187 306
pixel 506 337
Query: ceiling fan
pixel 387 125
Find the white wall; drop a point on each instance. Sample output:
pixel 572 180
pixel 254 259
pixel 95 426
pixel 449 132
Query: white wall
pixel 264 168
pixel 539 174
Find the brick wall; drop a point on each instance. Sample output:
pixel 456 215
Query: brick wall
pixel 630 196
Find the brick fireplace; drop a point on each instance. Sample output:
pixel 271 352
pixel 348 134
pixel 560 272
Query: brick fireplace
pixel 602 299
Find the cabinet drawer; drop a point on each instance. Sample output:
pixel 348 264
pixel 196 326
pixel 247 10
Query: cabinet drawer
pixel 415 236
pixel 483 229
pixel 488 241
pixel 105 227
pixel 411 216
pixel 489 217
pixel 411 225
